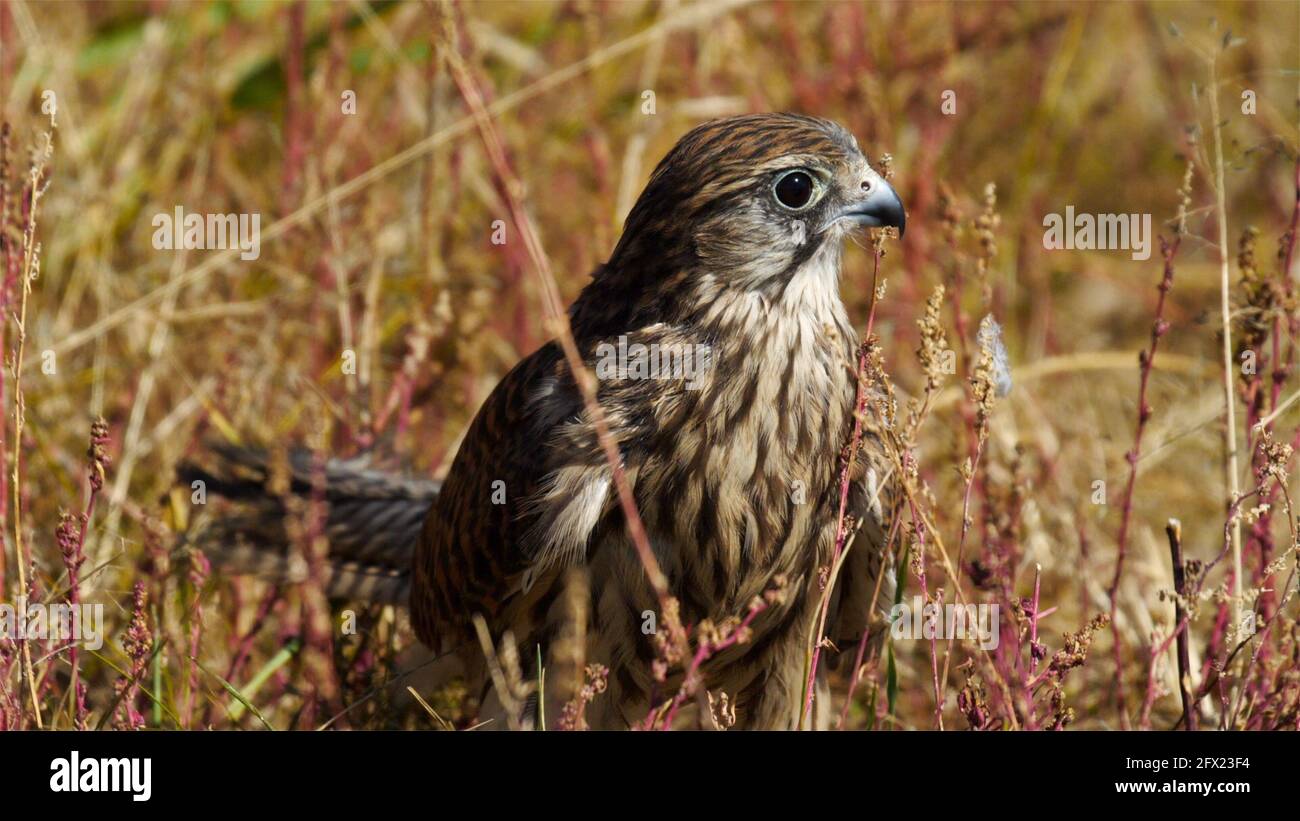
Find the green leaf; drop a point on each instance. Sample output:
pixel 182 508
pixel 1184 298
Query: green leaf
pixel 111 44
pixel 234 692
pixel 255 683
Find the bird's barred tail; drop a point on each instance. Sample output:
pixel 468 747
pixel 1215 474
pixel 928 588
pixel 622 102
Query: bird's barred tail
pixel 373 520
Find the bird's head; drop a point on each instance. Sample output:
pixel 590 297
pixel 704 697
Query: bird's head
pixel 752 200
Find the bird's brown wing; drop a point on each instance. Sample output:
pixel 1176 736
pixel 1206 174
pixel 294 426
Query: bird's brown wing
pixel 526 489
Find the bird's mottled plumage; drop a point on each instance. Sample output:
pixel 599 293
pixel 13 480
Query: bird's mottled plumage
pixel 735 476
pixel 734 468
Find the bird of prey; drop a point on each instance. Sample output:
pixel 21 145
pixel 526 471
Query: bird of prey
pixel 732 252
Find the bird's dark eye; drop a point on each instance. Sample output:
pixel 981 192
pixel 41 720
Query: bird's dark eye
pixel 794 190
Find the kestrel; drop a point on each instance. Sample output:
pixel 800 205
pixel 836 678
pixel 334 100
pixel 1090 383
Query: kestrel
pixel 725 368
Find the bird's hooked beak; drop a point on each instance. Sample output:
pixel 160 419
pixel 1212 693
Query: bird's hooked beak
pixel 880 207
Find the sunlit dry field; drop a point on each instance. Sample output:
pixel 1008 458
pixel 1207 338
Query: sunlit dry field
pixel 380 308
